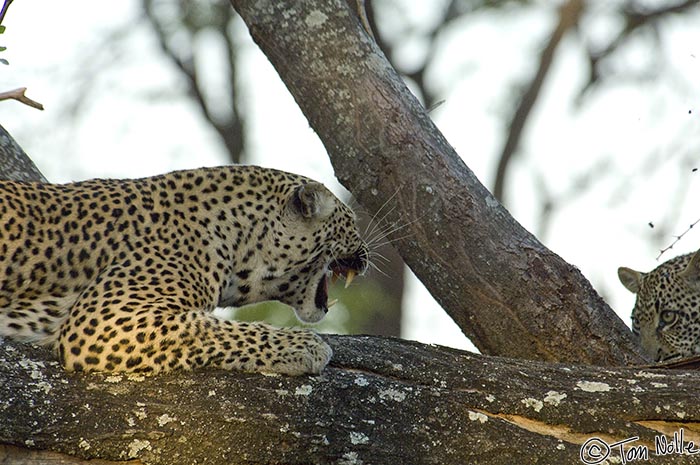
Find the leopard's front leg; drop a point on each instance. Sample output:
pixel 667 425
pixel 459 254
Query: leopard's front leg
pixel 252 346
pixel 118 327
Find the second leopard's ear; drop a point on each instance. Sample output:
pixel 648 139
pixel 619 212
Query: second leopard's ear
pixel 630 278
pixel 312 201
pixel 691 274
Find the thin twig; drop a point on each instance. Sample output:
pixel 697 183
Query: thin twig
pixel 634 18
pixel 361 11
pixel 18 94
pixel 678 238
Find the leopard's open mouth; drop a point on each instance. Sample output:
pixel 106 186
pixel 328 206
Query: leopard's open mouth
pixel 345 267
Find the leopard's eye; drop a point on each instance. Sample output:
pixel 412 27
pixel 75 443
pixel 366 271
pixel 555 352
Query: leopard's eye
pixel 667 318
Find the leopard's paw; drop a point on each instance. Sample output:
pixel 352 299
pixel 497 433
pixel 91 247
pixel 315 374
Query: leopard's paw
pixel 301 351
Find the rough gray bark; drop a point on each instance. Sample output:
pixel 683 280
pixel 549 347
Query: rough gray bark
pixel 508 293
pixel 14 163
pixel 382 401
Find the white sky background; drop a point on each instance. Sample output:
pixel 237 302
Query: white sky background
pixel 131 121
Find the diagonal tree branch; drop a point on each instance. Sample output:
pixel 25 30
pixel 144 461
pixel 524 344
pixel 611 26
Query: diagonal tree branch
pixel 14 163
pixel 507 292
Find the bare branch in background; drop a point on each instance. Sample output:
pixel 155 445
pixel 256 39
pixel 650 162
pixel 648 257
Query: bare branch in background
pixel 675 206
pixel 636 18
pixel 450 13
pixel 230 128
pixel 18 94
pixel 677 239
pixel 569 15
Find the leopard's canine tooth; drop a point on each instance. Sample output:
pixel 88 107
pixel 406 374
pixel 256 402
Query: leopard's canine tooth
pixel 349 277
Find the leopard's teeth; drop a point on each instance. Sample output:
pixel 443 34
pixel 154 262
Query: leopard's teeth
pixel 332 302
pixel 349 277
pixel 334 277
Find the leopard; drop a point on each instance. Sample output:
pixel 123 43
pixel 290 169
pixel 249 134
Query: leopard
pixel 666 314
pixel 123 275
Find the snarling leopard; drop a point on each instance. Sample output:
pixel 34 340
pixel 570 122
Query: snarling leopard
pixel 123 275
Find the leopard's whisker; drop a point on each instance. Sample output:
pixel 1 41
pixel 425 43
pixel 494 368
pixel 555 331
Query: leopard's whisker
pixel 374 221
pixel 378 270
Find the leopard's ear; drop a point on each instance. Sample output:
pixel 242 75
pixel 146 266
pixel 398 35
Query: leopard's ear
pixel 630 278
pixel 312 201
pixel 691 274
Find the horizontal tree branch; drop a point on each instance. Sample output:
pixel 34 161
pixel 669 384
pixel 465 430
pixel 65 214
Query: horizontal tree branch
pixel 381 401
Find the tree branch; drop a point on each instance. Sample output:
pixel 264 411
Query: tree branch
pixel 507 292
pixel 635 18
pixel 14 163
pixel 18 94
pixel 382 401
pixel 231 129
pixel 569 14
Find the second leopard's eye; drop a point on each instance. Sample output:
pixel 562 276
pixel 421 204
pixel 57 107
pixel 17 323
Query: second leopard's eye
pixel 667 318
